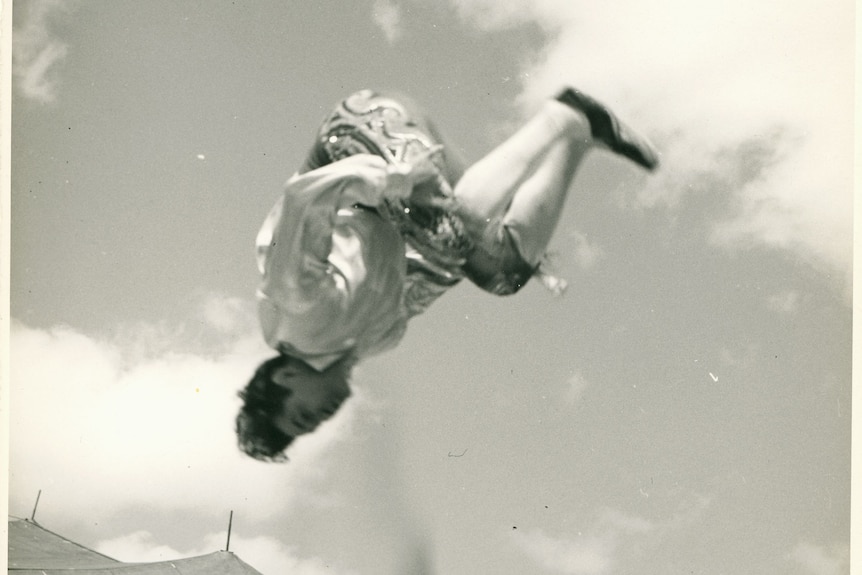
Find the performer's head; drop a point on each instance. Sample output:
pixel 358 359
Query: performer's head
pixel 285 398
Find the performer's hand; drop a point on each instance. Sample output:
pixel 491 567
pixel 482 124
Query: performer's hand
pixel 427 177
pixel 424 168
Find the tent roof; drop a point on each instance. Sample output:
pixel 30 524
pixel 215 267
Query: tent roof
pixel 33 546
pixel 35 550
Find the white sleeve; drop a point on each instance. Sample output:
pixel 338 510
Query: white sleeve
pixel 299 253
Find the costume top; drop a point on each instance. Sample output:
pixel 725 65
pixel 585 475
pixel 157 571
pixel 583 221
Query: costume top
pixel 337 277
pixel 347 254
pixel 332 269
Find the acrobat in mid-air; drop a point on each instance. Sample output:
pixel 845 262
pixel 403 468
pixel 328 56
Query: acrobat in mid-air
pixel 380 221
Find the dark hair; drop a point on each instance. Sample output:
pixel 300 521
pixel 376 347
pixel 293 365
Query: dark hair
pixel 263 399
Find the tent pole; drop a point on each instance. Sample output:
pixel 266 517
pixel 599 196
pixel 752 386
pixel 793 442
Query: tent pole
pixel 229 525
pixel 33 515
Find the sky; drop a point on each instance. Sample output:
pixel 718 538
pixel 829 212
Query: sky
pixel 685 407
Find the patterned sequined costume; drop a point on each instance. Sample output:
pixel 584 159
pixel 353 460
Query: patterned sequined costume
pixel 437 244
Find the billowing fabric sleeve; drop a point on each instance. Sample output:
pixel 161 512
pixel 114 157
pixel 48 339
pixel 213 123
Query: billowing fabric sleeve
pixel 332 269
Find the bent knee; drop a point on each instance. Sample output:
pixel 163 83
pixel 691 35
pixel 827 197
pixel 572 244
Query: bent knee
pixel 498 268
pixel 504 284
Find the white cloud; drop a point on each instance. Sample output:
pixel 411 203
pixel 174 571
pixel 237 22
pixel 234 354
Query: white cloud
pixel 228 314
pixel 612 539
pixel 36 53
pixel 744 101
pixel 101 428
pixel 387 15
pixel 586 253
pixel 786 302
pixel 140 547
pixel 221 325
pixel 267 555
pixel 587 556
pixel 575 388
pixel 271 557
pixel 624 523
pixel 818 560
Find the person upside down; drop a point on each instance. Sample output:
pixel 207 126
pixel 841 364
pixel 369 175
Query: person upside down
pixel 380 221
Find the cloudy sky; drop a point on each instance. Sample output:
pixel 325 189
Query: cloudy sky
pixel 683 408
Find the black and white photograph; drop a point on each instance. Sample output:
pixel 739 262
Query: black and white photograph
pixel 392 287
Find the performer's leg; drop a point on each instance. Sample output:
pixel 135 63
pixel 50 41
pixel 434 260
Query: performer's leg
pixel 489 186
pixel 535 209
pixel 511 200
